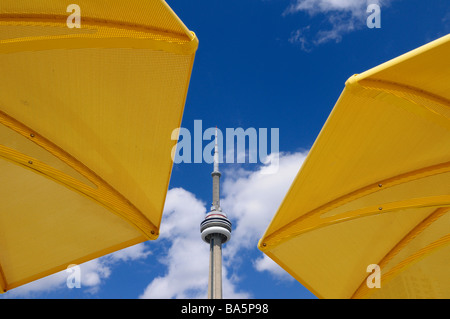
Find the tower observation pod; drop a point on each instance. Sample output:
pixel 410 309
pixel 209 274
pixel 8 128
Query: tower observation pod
pixel 215 230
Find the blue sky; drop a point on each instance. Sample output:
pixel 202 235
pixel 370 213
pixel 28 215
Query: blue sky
pixel 262 64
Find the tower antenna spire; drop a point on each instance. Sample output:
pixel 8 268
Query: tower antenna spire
pixel 216 177
pixel 216 154
pixel 215 230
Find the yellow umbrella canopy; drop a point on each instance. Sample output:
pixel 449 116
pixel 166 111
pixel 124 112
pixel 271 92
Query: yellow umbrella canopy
pixel 375 188
pixel 89 97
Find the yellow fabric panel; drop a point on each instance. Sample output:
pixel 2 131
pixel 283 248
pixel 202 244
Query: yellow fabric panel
pixel 333 260
pixel 115 135
pixel 86 120
pixel 435 185
pixel 376 180
pixel 429 63
pixel 153 15
pixel 37 212
pixel 13 140
pixel 423 280
pixel 430 234
pixel 354 160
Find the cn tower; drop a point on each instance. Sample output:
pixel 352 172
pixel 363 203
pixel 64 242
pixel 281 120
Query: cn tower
pixel 215 230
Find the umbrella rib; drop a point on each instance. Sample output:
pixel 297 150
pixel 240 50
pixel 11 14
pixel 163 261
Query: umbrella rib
pixel 77 261
pixel 428 105
pixel 313 220
pixel 90 21
pixel 107 34
pixel 402 89
pixel 3 283
pixel 364 291
pixel 105 194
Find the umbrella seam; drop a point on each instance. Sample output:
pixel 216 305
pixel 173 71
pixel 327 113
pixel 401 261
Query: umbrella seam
pixel 105 194
pixel 417 230
pixel 48 18
pixel 277 237
pixel 3 282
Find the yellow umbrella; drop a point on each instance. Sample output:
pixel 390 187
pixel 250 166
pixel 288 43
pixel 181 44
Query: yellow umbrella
pixel 89 97
pixel 375 188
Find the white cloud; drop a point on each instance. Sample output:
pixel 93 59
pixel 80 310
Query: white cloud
pixel 266 264
pixel 249 197
pixel 47 284
pixel 340 16
pixel 324 6
pixel 93 274
pixel 187 259
pixel 252 199
pixel 135 252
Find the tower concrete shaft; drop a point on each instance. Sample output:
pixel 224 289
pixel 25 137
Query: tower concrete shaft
pixel 216 191
pixel 215 230
pixel 215 268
